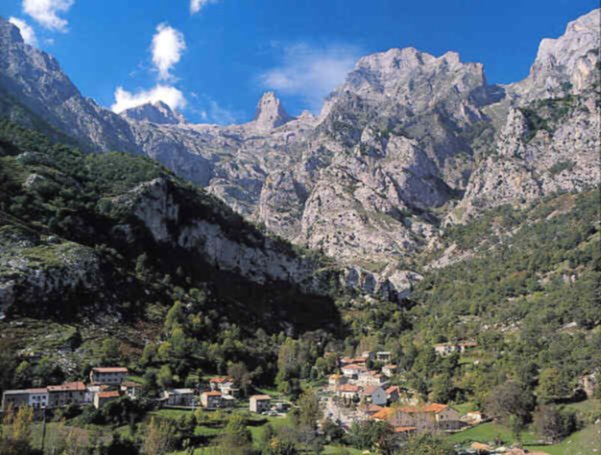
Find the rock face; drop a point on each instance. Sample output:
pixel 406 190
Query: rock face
pixel 270 113
pixel 409 141
pixel 158 113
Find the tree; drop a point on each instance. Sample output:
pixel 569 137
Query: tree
pixel 442 388
pixel 428 444
pixel 109 351
pixel 236 438
pixel 165 377
pixel 552 385
pixel 242 378
pixel 553 425
pixel 309 410
pixel 510 399
pixel 158 439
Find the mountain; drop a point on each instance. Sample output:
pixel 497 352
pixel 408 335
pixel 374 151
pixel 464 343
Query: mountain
pixel 157 112
pixel 104 244
pixel 409 143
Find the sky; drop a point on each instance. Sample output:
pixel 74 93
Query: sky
pixel 212 59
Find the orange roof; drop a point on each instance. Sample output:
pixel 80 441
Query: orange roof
pixel 352 366
pixel 130 384
pixel 260 397
pixel 110 370
pixel 68 387
pixel 404 429
pixel 108 395
pixel 348 388
pixel 219 380
pixel 434 408
pixel 392 389
pixel 383 414
pixel 370 390
pixel 212 394
pixel 37 390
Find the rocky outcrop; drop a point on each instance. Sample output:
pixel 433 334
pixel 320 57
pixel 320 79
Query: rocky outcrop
pixel 35 271
pixel 158 113
pixel 270 113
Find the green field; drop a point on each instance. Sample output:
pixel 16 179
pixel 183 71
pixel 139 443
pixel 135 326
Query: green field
pixel 584 442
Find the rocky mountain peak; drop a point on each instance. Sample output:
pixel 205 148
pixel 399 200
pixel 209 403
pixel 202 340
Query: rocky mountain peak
pixel 157 112
pixel 270 113
pixel 9 32
pixel 567 64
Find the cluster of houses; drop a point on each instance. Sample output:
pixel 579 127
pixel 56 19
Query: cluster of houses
pixel 359 393
pixel 106 384
pixel 110 383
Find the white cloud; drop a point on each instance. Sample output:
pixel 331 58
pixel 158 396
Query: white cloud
pixel 168 44
pixel 311 72
pixel 167 94
pixel 46 12
pixel 27 32
pixel 197 5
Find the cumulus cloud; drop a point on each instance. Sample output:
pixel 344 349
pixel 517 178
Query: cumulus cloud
pixel 27 32
pixel 46 12
pixel 197 5
pixel 311 72
pixel 168 44
pixel 171 96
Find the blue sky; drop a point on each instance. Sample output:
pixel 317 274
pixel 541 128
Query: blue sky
pixel 214 58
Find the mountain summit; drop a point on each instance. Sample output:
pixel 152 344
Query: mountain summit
pixel 157 112
pixel 270 113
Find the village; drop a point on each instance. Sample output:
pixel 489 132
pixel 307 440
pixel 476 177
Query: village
pixel 356 393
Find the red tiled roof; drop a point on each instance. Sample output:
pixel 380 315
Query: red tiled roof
pixel 110 370
pixel 370 390
pixel 68 387
pixel 352 366
pixel 348 388
pixel 108 395
pixel 390 390
pixel 383 414
pixel 404 429
pixel 219 380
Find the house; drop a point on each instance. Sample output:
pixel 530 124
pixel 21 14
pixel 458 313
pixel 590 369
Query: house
pixel 348 391
pixel 375 394
pixel 108 375
pixel 15 399
pixel 367 378
pixel 352 370
pixel 383 356
pixel 179 397
pixel 426 418
pixel 389 370
pixel 38 398
pixel 336 380
pixel 211 400
pixel 260 403
pixel 444 349
pixel 67 393
pixel 131 389
pixel 102 398
pixel 393 393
